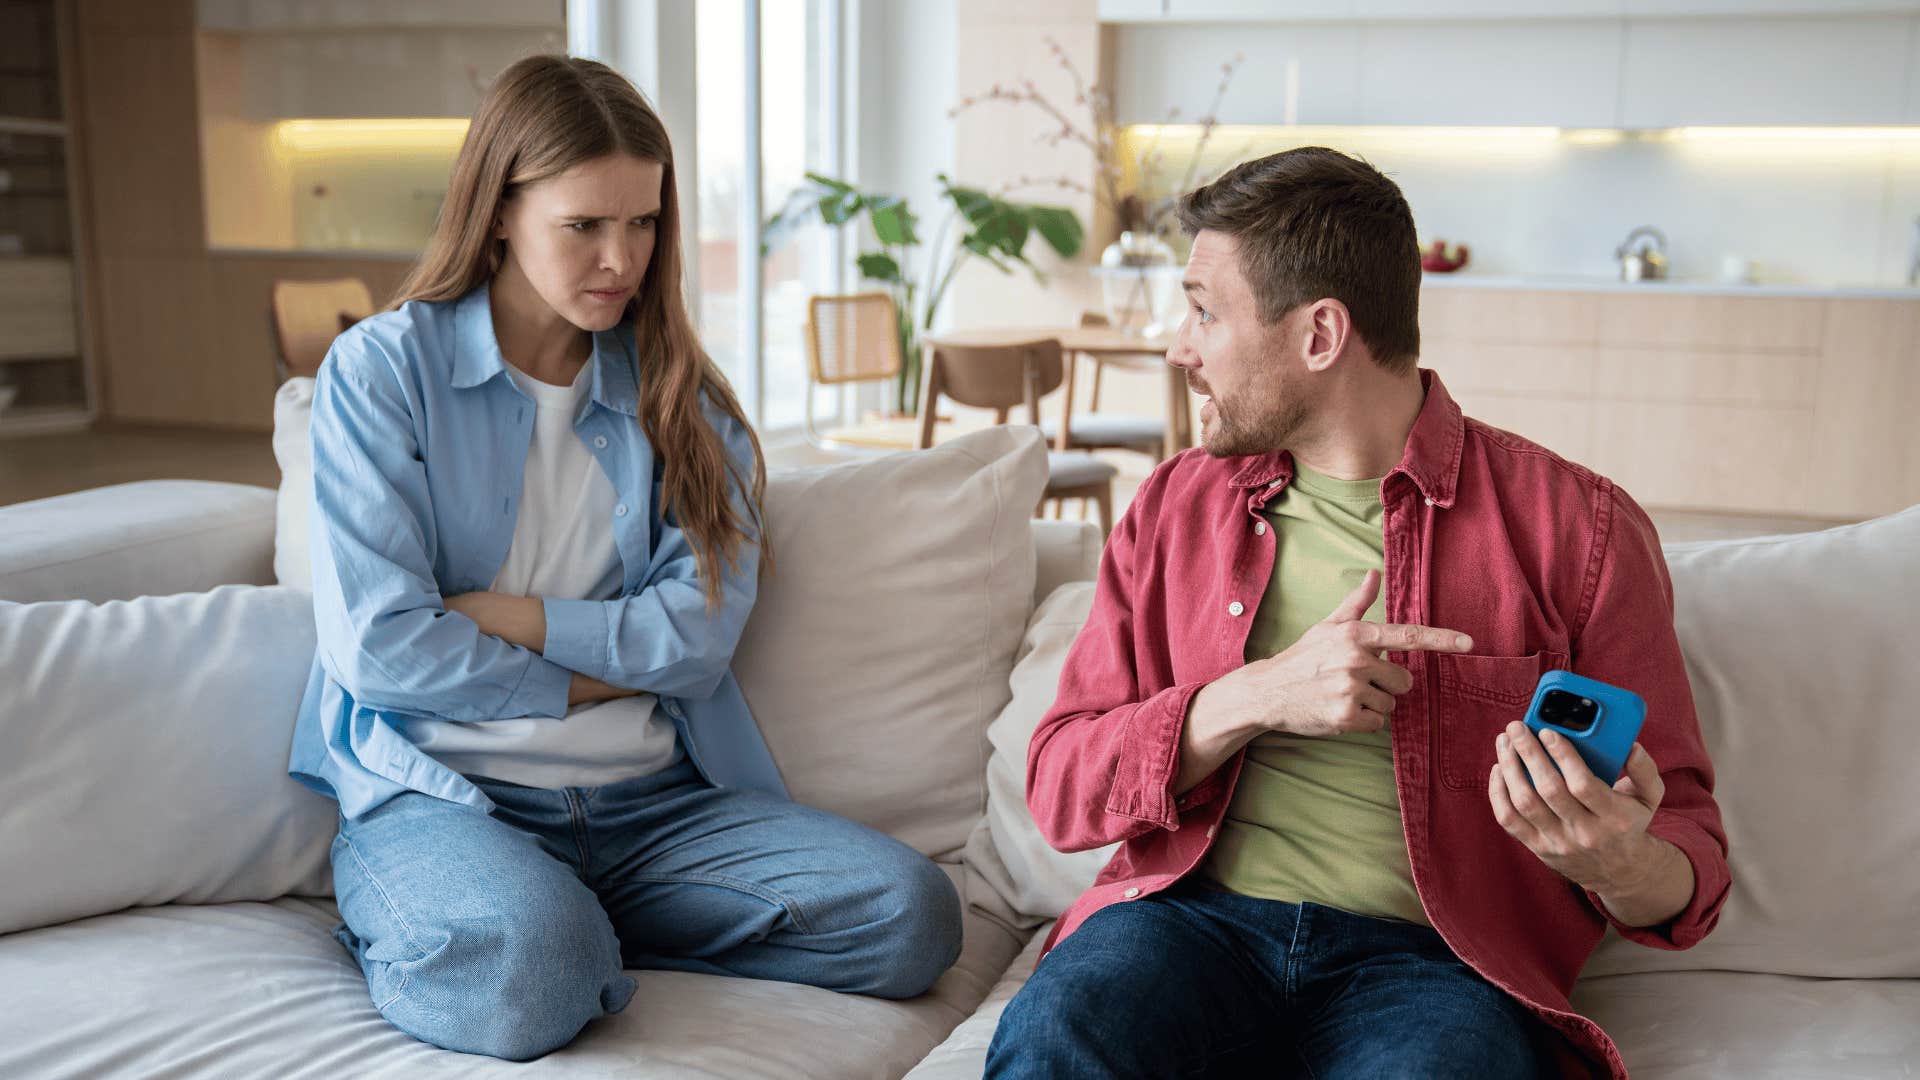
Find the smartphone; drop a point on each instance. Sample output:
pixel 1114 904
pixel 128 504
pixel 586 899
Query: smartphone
pixel 1601 721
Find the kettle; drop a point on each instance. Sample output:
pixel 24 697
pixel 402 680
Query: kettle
pixel 1646 260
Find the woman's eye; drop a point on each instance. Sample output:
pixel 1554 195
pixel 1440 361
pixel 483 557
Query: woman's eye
pixel 647 223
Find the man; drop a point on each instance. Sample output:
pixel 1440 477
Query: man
pixel 1297 700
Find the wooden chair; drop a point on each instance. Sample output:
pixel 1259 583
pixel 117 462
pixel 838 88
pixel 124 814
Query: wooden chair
pixel 307 316
pixel 1000 377
pixel 1096 430
pixel 850 339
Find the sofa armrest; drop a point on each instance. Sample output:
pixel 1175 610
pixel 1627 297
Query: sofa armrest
pixel 1063 551
pixel 149 538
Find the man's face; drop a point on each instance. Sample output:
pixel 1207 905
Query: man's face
pixel 1252 379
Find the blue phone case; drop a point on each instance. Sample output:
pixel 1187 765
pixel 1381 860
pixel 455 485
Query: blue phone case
pixel 1605 745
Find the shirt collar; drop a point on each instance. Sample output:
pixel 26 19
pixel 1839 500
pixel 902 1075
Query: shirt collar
pixel 1431 459
pixel 477 358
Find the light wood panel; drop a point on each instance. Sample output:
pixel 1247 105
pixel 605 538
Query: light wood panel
pixel 1550 370
pixel 1787 324
pixel 1680 376
pixel 1457 313
pixel 1866 444
pixel 1704 456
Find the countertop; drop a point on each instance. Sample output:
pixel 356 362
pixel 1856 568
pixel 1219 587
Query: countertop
pixel 1585 283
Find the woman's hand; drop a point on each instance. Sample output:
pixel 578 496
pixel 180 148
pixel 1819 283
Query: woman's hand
pixel 521 620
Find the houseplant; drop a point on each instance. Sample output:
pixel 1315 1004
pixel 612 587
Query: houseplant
pixel 994 229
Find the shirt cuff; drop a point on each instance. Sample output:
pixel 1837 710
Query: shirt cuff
pixel 577 635
pixel 1711 881
pixel 541 691
pixel 1150 758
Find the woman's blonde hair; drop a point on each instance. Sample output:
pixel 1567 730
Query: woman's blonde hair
pixel 541 117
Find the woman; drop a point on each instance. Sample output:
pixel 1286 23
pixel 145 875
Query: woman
pixel 536 539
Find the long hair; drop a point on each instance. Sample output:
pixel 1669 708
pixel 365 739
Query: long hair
pixel 541 117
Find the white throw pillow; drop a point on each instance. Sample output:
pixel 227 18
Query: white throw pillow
pixel 1006 848
pixel 293 449
pixel 1800 650
pixel 145 756
pixel 880 645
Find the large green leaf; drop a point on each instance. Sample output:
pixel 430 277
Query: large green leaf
pixel 892 222
pixel 1060 227
pixel 879 266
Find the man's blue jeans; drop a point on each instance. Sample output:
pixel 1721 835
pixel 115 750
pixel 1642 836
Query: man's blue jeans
pixel 1198 981
pixel 504 934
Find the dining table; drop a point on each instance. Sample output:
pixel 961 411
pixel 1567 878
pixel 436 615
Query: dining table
pixel 1103 345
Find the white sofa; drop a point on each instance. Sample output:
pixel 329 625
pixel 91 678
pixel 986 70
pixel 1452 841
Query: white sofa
pixel 165 898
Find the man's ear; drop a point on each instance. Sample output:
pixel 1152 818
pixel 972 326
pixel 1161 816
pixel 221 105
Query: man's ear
pixel 1325 330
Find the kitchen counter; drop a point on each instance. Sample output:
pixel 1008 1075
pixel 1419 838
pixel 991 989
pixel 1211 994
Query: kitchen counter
pixel 1594 283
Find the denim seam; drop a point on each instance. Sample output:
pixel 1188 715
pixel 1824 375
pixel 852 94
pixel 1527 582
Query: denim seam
pixel 738 885
pixel 393 910
pixel 577 820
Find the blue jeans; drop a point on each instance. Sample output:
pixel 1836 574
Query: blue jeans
pixel 1198 981
pixel 505 933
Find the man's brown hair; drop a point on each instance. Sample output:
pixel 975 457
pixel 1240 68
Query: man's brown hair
pixel 1313 223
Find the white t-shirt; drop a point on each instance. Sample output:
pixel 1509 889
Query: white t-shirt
pixel 562 547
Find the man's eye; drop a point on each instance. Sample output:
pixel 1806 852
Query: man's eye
pixel 1205 315
pixel 582 226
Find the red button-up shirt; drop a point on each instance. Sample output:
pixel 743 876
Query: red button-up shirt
pixel 1544 563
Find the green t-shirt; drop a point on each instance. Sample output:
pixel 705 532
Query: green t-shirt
pixel 1317 818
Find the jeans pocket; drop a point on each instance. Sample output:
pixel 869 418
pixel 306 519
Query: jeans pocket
pixel 1478 697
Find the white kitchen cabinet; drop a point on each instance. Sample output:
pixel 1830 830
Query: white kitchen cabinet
pixel 1265 10
pixel 1130 10
pixel 1562 74
pixel 1773 72
pixel 1156 66
pixel 1685 8
pixel 1488 9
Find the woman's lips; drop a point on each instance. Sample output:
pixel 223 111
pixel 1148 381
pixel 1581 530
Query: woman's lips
pixel 608 296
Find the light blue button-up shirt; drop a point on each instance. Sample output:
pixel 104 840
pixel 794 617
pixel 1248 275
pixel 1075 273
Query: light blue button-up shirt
pixel 419 448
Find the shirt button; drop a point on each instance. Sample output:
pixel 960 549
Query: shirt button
pixel 1212 830
pixel 620 511
pixel 1259 528
pixel 599 442
pixel 1131 893
pixel 1429 502
pixel 1236 608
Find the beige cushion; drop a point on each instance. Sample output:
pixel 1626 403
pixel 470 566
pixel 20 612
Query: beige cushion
pixel 262 990
pixel 1006 850
pixel 145 754
pixel 881 643
pixel 1800 650
pixel 148 538
pixel 293 450
pixel 1723 1025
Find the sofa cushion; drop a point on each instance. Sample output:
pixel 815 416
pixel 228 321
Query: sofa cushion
pixel 146 753
pixel 1704 1024
pixel 147 538
pixel 1800 652
pixel 880 645
pixel 262 990
pixel 293 451
pixel 1741 1026
pixel 1006 848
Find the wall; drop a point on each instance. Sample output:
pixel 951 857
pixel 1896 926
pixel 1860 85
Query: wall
pixel 180 336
